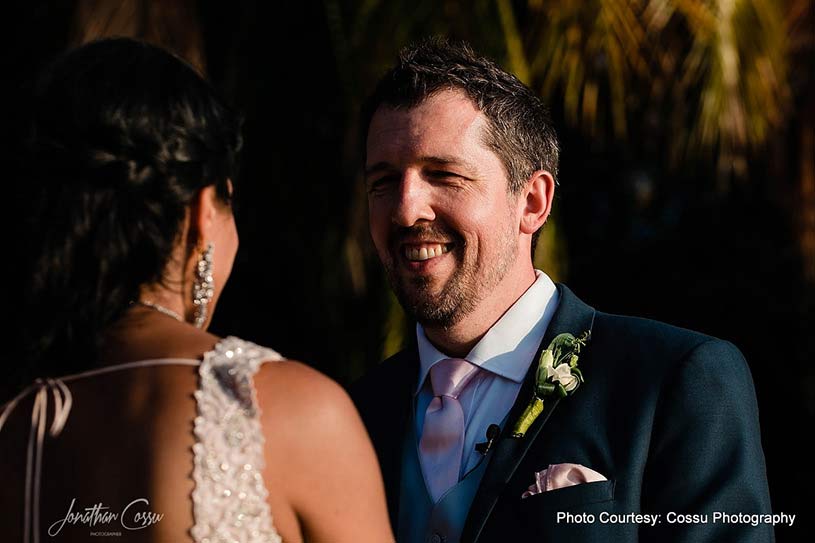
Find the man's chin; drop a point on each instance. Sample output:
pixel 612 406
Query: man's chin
pixel 418 305
pixel 429 310
pixel 431 317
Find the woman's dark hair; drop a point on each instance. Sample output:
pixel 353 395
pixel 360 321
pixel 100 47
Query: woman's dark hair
pixel 124 136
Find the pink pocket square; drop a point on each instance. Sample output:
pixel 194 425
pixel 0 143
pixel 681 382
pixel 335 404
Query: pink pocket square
pixel 560 476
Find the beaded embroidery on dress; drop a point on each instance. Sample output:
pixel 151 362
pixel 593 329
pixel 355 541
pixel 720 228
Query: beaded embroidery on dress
pixel 229 500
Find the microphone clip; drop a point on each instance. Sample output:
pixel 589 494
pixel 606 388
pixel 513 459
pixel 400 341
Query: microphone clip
pixel 493 431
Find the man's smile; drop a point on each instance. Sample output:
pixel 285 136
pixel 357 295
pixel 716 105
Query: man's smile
pixel 418 252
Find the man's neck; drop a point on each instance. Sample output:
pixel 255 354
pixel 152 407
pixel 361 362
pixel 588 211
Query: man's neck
pixel 459 339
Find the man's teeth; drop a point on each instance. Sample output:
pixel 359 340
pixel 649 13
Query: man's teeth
pixel 426 252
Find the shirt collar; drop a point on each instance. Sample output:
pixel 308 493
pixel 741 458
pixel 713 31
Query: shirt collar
pixel 509 345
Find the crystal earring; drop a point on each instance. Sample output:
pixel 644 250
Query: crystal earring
pixel 203 287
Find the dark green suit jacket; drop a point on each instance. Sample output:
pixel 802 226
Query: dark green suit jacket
pixel 669 416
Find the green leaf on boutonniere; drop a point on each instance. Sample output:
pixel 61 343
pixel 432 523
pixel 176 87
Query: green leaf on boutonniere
pixel 557 375
pixel 544 389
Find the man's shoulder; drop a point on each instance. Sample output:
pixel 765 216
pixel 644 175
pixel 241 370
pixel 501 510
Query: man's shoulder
pixel 635 335
pixel 641 329
pixel 397 371
pixel 398 364
pixel 659 344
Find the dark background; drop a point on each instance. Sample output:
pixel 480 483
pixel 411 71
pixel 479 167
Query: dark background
pixel 714 233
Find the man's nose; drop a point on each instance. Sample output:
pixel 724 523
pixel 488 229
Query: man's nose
pixel 414 201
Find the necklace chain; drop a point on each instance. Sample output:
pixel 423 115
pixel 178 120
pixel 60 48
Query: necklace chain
pixel 160 309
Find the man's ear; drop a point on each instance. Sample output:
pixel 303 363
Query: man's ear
pixel 537 197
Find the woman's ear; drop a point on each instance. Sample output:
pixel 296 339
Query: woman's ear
pixel 203 215
pixel 537 197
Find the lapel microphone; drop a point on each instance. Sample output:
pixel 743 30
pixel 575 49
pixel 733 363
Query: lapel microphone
pixel 493 431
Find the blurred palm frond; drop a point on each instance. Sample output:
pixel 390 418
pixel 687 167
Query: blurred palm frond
pixel 583 51
pixel 734 73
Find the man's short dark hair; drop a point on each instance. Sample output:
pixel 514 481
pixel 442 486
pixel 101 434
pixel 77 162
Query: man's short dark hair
pixel 519 128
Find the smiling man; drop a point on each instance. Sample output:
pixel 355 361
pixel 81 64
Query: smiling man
pixel 446 229
pixel 461 161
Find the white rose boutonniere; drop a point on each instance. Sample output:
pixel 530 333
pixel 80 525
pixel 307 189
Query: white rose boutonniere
pixel 557 375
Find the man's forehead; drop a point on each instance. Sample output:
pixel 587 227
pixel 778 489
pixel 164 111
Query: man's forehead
pixel 446 118
pixel 446 102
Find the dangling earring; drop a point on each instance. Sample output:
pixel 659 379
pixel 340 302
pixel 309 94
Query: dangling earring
pixel 203 287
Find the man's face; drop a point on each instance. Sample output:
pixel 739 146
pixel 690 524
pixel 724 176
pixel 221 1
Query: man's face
pixel 441 218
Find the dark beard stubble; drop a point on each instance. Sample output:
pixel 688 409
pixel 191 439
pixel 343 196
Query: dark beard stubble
pixel 443 310
pixel 458 297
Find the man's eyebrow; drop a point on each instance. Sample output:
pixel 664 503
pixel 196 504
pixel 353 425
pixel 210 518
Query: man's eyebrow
pixel 445 161
pixel 441 160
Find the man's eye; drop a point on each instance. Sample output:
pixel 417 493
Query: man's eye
pixel 442 174
pixel 380 182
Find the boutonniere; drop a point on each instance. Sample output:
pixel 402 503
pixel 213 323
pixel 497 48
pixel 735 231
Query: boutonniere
pixel 557 375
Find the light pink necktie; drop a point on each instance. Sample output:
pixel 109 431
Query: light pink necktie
pixel 442 442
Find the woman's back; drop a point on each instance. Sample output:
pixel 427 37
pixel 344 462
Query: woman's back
pixel 141 439
pixel 128 437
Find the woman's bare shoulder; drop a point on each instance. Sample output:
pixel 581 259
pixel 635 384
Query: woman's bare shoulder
pixel 305 418
pixel 305 415
pixel 293 395
pixel 315 439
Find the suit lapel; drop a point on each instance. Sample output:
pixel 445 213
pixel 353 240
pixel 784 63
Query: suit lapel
pixel 574 317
